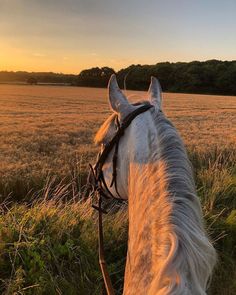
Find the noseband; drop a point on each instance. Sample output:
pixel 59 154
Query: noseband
pixel 99 188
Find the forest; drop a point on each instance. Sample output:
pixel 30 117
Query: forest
pixel 208 77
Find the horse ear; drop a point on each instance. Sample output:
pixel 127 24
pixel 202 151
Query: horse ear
pixel 118 102
pixel 154 93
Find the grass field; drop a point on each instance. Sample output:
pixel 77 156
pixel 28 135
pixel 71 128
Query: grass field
pixel 48 246
pixel 49 130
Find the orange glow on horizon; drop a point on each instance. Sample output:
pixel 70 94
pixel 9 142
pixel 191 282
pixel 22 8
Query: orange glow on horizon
pixel 25 59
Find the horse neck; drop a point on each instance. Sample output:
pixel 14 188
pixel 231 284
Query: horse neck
pixel 153 240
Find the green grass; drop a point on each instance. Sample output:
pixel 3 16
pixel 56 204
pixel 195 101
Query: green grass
pixel 49 246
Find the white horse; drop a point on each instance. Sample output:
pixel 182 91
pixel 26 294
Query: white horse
pixel 168 249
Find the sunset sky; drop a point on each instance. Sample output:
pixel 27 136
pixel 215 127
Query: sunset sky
pixel 71 35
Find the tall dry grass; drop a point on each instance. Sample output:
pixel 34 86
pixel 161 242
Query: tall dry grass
pixel 50 245
pixel 48 131
pixel 48 239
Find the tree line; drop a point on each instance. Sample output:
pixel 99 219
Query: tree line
pixel 208 77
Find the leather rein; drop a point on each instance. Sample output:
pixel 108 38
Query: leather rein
pixel 99 188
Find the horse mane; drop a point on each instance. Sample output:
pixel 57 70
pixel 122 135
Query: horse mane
pixel 185 256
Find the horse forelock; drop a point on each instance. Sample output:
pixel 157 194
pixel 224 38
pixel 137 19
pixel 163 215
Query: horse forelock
pixel 108 128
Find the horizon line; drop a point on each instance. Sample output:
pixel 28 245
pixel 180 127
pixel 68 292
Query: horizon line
pixel 73 73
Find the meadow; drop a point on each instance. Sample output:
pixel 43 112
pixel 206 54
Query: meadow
pixel 47 235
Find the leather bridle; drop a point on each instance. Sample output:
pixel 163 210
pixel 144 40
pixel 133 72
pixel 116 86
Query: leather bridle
pixel 98 188
pixel 96 178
